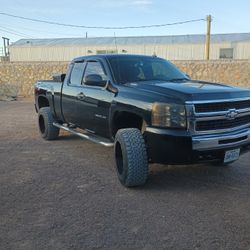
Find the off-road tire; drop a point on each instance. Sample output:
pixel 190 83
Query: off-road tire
pixel 45 124
pixel 131 157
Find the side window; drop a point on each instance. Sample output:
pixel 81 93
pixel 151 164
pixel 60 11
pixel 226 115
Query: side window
pixel 77 73
pixel 95 68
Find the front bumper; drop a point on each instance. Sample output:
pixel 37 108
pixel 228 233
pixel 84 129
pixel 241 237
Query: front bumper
pixel 218 141
pixel 180 147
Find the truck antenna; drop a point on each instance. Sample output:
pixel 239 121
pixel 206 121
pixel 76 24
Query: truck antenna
pixel 115 43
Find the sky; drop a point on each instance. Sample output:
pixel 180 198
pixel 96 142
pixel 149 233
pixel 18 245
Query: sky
pixel 228 17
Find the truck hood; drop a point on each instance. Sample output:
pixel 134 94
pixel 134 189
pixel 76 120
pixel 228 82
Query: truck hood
pixel 191 90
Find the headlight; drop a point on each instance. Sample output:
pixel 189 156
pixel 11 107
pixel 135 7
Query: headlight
pixel 168 115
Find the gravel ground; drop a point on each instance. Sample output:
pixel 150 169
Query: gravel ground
pixel 65 195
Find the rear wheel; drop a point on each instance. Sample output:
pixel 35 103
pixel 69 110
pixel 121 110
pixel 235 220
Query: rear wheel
pixel 45 123
pixel 131 157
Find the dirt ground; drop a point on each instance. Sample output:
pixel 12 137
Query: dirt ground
pixel 64 194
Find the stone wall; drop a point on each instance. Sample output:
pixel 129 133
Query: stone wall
pixel 20 77
pixel 24 75
pixel 234 72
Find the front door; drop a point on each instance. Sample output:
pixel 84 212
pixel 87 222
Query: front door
pixel 94 106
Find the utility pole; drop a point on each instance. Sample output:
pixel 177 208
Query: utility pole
pixel 6 43
pixel 209 20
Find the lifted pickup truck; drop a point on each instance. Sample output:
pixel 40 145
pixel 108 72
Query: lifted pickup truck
pixel 148 110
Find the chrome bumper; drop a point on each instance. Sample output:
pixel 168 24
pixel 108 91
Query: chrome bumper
pixel 220 141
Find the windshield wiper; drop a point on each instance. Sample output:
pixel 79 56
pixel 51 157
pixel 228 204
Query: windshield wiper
pixel 178 79
pixel 160 80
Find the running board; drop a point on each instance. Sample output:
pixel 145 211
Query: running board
pixel 88 136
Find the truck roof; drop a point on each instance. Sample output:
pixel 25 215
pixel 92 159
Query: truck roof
pixel 107 56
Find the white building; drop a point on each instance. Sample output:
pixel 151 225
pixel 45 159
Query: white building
pixel 181 47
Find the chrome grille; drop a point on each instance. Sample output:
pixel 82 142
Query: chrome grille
pixel 221 106
pixel 222 123
pixel 218 116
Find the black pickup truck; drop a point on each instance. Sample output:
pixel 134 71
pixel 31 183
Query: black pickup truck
pixel 148 110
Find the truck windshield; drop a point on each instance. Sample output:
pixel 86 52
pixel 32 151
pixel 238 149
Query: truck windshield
pixel 134 69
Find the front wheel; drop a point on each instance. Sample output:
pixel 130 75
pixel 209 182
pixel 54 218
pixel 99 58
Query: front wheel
pixel 131 157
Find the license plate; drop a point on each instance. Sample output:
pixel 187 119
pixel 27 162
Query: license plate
pixel 232 155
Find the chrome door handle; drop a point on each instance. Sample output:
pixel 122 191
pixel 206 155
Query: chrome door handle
pixel 80 96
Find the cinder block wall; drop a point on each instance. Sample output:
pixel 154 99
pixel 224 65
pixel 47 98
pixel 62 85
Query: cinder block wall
pixel 23 75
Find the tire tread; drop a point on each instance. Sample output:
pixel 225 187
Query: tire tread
pixel 136 155
pixel 51 132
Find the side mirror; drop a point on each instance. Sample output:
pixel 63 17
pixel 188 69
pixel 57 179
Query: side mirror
pixel 95 80
pixel 58 77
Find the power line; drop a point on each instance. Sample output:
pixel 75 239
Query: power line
pixel 103 27
pixel 15 32
pixel 39 31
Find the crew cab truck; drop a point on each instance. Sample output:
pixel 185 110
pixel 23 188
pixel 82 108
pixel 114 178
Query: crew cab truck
pixel 148 110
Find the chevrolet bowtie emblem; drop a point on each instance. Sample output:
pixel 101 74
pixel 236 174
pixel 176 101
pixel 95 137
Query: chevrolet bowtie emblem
pixel 231 114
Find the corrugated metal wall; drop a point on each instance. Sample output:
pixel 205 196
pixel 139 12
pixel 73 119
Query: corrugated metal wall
pixel 168 51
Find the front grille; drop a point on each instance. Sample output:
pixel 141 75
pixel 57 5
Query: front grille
pixel 222 123
pixel 221 106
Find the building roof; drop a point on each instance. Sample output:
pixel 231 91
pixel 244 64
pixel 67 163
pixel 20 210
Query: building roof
pixel 133 40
